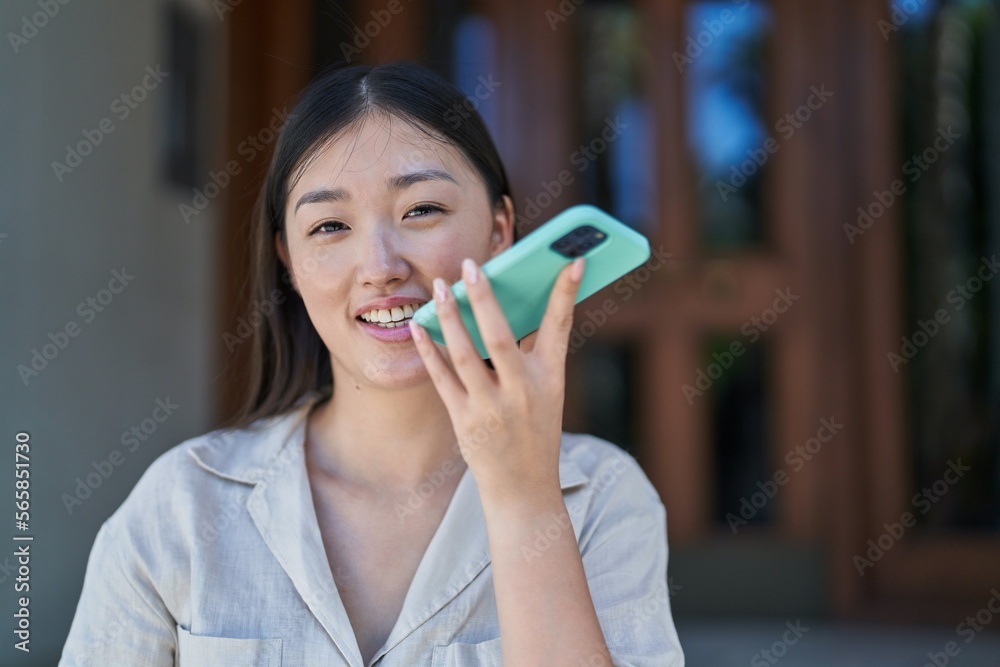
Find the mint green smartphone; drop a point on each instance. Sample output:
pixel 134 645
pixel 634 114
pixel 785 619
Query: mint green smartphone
pixel 523 276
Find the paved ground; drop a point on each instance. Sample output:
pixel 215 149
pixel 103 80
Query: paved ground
pixel 825 644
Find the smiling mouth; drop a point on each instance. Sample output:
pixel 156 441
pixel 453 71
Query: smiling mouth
pixel 390 318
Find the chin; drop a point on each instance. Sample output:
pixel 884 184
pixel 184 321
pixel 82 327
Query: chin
pixel 395 373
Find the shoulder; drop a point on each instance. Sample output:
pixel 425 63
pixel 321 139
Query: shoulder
pixel 614 492
pixel 198 474
pixel 605 465
pixel 616 512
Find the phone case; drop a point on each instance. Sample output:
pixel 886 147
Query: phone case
pixel 523 276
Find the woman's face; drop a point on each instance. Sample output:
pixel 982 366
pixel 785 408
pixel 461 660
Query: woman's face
pixel 378 214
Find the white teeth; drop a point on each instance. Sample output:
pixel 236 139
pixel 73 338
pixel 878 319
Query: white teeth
pixel 389 315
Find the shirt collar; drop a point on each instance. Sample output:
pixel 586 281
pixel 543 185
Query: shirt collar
pixel 246 455
pixel 271 458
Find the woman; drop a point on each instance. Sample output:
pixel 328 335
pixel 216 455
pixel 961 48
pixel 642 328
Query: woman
pixel 382 500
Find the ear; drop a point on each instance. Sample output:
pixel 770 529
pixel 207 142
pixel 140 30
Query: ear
pixel 503 227
pixel 282 250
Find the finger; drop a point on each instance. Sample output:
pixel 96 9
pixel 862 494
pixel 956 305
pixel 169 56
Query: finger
pixel 451 390
pixel 471 369
pixel 557 323
pixel 493 327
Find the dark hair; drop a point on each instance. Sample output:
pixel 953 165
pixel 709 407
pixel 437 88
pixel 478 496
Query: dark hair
pixel 288 358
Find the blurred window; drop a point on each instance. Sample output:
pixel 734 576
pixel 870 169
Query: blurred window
pixel 723 65
pixel 949 59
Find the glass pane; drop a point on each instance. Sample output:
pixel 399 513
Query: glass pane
pixel 607 383
pixel 950 174
pixel 440 26
pixel 723 66
pixel 474 68
pixel 738 399
pixel 614 159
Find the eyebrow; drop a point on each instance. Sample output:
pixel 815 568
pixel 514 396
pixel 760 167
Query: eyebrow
pixel 396 183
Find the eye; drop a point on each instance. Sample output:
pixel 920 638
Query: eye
pixel 424 207
pixel 320 227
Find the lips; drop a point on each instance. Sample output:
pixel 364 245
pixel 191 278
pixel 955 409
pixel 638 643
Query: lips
pixel 396 333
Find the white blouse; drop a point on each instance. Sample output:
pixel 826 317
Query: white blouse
pixel 216 559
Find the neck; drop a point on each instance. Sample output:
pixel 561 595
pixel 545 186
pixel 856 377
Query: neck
pixel 383 440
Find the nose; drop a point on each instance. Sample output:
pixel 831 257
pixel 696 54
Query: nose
pixel 379 259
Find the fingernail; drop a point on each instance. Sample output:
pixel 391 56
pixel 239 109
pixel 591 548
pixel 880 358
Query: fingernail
pixel 440 290
pixel 576 273
pixel 416 331
pixel 469 272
